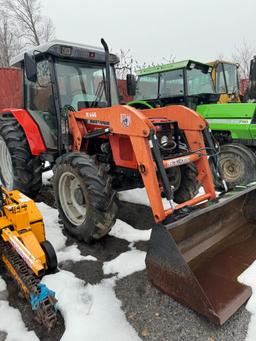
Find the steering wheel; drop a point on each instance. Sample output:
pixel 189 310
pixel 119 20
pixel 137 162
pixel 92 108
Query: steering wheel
pixel 81 96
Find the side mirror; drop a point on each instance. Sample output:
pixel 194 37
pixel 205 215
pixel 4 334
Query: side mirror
pixel 30 67
pixel 131 84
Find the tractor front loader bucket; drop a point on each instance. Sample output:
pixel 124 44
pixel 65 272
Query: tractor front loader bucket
pixel 197 259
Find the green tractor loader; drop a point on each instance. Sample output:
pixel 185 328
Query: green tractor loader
pixel 233 125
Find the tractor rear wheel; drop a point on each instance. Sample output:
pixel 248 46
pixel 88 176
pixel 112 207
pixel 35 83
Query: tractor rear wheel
pixel 189 186
pixel 19 169
pixel 84 196
pixel 237 164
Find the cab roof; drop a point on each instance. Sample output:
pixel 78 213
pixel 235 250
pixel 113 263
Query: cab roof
pixel 169 67
pixel 65 49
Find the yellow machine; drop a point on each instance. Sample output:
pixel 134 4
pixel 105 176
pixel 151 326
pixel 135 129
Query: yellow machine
pixel 226 81
pixel 26 254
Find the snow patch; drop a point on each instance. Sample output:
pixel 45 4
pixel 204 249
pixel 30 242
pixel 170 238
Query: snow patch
pixel 46 177
pixel 248 277
pixel 125 231
pixel 11 321
pixel 3 290
pixel 138 196
pixel 71 253
pixel 126 263
pixel 3 285
pixel 90 311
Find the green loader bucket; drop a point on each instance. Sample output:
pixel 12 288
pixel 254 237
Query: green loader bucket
pixel 197 259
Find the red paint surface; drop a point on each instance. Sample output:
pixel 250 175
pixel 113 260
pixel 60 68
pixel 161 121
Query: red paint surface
pixel 31 130
pixel 123 91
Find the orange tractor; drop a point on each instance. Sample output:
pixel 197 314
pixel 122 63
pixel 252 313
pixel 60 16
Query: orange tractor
pixel 73 120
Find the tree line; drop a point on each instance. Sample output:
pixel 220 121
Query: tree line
pixel 22 25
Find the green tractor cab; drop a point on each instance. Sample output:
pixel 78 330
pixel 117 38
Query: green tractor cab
pixel 186 83
pixel 191 83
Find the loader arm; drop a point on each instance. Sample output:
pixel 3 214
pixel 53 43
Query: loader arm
pixel 138 127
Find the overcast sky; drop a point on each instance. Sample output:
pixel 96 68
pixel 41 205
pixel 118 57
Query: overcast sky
pixel 153 30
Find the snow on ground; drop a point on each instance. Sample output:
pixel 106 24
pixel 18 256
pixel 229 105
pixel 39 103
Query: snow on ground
pixel 91 312
pixel 126 264
pixel 125 231
pixel 248 277
pixel 138 196
pixel 10 316
pixel 47 176
pixel 56 237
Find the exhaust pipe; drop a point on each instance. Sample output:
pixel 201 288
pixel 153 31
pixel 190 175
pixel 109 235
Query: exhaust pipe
pixel 108 85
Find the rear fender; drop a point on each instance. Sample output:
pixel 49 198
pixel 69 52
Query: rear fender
pixel 31 130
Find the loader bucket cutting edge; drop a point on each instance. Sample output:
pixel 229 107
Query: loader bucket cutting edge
pixel 197 259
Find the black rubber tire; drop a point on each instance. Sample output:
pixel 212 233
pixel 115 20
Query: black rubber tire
pixel 27 169
pixel 51 257
pixel 242 157
pixel 217 180
pixel 95 183
pixel 189 186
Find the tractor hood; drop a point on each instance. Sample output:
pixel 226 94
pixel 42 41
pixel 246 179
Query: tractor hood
pixel 227 110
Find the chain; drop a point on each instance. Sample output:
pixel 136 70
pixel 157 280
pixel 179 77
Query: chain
pixel 28 282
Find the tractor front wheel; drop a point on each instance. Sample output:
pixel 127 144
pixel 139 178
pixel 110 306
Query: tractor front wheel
pixel 189 186
pixel 237 164
pixel 19 169
pixel 84 196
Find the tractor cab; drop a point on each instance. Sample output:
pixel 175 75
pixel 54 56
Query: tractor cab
pixel 61 76
pixel 187 83
pixel 226 81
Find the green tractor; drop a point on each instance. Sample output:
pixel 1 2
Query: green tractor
pixel 190 83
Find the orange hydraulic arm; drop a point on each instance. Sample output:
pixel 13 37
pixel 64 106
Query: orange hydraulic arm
pixel 137 126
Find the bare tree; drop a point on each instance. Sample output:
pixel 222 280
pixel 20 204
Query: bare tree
pixel 170 59
pixel 9 45
pixel 125 65
pixel 29 20
pixel 128 64
pixel 221 56
pixel 243 54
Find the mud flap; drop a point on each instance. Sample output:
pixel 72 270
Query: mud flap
pixel 197 259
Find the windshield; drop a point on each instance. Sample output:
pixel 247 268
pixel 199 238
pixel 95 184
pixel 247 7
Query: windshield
pixel 199 82
pixel 171 83
pixel 147 87
pixel 83 86
pixel 231 77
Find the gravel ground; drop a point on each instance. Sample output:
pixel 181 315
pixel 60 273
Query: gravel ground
pixel 154 316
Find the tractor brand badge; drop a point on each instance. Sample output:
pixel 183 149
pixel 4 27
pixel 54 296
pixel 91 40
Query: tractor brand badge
pixel 125 120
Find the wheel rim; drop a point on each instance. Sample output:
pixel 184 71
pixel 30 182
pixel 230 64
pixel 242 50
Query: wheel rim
pixel 232 169
pixel 72 198
pixel 6 168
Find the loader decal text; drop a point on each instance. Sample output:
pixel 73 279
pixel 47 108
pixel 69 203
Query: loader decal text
pixel 91 114
pixel 178 161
